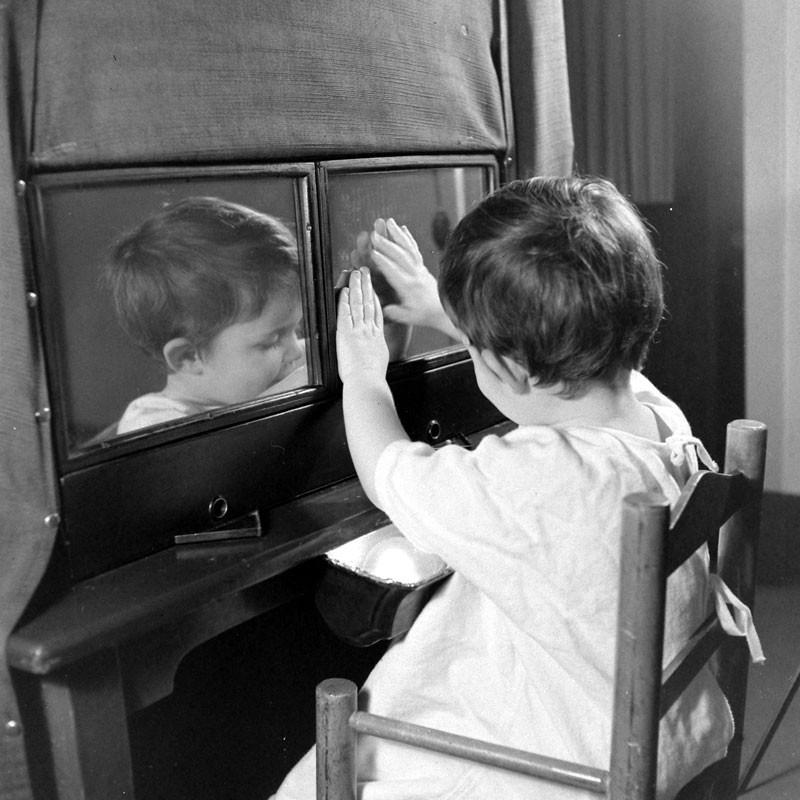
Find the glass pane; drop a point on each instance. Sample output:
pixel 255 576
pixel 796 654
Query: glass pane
pixel 173 298
pixel 428 201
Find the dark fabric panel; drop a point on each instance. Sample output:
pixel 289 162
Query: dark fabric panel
pixel 26 467
pixel 155 81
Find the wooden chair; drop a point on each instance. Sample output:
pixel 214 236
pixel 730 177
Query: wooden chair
pixel 720 508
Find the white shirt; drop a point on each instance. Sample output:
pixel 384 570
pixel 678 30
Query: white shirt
pixel 518 646
pixel 155 409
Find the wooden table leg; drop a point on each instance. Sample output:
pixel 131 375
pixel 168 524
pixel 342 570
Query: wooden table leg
pixel 84 708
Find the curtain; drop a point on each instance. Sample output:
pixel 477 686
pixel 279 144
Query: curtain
pixel 623 99
pixel 27 481
pixel 539 86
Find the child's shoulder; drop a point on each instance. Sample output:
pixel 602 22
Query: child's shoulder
pixel 528 444
pixel 150 409
pixel 669 411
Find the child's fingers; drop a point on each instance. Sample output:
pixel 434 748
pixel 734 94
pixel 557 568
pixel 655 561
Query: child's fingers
pixel 398 244
pixel 359 306
pixel 371 308
pixel 390 256
pixel 356 298
pixel 394 271
pixel 401 235
pixel 343 311
pixel 367 296
pixel 378 313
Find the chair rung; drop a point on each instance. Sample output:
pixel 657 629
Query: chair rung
pixel 695 653
pixel 553 769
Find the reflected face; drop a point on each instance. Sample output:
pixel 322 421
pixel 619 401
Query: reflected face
pixel 247 358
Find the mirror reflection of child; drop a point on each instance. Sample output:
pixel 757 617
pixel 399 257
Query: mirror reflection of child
pixel 210 289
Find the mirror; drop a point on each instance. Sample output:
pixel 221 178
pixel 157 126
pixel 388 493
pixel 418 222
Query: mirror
pixel 177 295
pixel 429 201
pixel 171 296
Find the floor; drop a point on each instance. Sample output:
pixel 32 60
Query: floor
pixel 777 618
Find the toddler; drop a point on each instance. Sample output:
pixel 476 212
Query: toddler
pixel 554 287
pixel 211 290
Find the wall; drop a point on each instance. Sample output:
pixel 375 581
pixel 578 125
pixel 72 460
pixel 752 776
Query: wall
pixel 772 240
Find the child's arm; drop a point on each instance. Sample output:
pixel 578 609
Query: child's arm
pixel 396 255
pixel 370 418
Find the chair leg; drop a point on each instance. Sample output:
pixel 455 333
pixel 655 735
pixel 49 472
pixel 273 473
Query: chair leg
pixel 336 740
pixel 767 738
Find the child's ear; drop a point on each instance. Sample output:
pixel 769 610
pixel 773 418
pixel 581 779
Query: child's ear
pixel 182 356
pixel 507 371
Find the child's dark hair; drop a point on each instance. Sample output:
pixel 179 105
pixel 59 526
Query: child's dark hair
pixel 196 267
pixel 558 274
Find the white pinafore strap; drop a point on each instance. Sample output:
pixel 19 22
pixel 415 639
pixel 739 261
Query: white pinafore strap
pixel 678 443
pixel 740 623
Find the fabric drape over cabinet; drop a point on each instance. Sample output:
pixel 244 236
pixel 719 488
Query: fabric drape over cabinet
pixel 154 81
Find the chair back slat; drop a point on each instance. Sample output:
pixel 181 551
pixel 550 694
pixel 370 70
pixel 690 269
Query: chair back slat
pixel 679 673
pixel 707 501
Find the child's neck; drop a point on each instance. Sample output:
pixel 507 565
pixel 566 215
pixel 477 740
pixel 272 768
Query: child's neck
pixel 598 404
pixel 178 387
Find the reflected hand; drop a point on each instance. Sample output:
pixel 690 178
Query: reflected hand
pixel 360 345
pixel 362 257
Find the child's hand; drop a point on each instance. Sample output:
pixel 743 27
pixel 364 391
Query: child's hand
pixel 397 257
pixel 360 346
pixel 397 335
